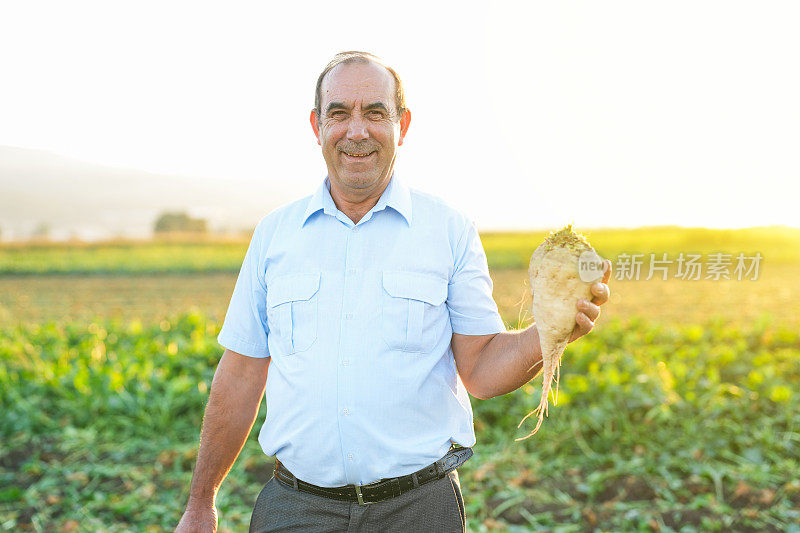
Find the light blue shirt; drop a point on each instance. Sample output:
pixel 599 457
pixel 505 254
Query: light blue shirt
pixel 358 319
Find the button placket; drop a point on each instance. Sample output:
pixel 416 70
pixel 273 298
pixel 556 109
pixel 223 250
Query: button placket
pixel 349 339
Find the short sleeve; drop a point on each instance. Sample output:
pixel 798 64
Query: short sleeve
pixel 245 328
pixel 473 311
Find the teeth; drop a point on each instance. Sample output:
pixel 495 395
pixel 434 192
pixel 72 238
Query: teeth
pixel 358 155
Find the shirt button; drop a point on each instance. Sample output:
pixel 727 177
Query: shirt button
pixel 351 271
pixel 355 228
pixel 350 456
pixel 345 362
pixel 345 411
pixel 348 316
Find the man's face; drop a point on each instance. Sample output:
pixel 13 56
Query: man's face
pixel 359 129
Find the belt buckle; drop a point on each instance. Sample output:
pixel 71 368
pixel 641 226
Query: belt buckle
pixel 361 496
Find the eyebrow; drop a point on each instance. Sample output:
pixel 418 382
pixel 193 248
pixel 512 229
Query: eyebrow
pixel 376 105
pixel 335 105
pixel 339 105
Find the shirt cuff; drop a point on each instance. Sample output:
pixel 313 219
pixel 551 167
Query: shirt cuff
pixel 241 346
pixel 478 326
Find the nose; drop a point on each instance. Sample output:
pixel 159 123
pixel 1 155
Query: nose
pixel 357 129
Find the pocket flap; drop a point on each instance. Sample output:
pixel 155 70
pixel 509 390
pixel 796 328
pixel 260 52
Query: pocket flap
pixel 415 286
pixel 292 287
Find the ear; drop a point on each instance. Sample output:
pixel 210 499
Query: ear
pixel 315 125
pixel 405 121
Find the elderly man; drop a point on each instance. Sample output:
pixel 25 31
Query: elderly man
pixel 365 311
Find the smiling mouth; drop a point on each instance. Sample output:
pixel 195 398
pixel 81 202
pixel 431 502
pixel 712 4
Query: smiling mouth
pixel 358 156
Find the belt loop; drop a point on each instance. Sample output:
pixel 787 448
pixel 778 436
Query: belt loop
pixel 415 479
pixel 294 482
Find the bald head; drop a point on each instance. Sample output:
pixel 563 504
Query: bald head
pixel 356 57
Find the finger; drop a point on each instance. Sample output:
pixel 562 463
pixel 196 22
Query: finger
pixel 585 323
pixel 576 334
pixel 583 326
pixel 606 271
pixel 589 309
pixel 601 293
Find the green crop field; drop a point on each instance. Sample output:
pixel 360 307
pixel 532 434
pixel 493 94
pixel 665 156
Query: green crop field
pixel 680 412
pixel 504 250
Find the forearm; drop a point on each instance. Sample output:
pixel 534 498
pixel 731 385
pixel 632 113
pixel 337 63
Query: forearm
pixel 507 362
pixel 231 411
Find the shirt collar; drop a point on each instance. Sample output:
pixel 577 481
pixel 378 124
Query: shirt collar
pixel 396 195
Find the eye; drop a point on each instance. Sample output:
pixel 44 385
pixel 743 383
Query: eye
pixel 337 114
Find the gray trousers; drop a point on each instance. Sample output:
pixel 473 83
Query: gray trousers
pixel 434 507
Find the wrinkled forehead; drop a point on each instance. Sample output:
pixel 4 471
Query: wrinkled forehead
pixel 362 83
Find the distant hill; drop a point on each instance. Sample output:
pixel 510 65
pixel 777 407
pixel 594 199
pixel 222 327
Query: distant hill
pixel 93 201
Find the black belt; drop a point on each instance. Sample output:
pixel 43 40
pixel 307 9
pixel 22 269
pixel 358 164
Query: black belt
pixel 383 489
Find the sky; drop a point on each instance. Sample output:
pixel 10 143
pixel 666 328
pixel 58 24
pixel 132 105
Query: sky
pixel 524 115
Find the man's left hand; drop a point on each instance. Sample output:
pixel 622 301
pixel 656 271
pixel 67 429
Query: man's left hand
pixel 589 311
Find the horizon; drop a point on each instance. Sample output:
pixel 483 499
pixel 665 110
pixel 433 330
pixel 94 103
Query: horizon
pixel 59 234
pixel 222 235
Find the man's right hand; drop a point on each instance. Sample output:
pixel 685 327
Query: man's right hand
pixel 198 521
pixel 236 391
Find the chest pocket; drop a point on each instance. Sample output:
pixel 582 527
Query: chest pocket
pixel 411 310
pixel 292 310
